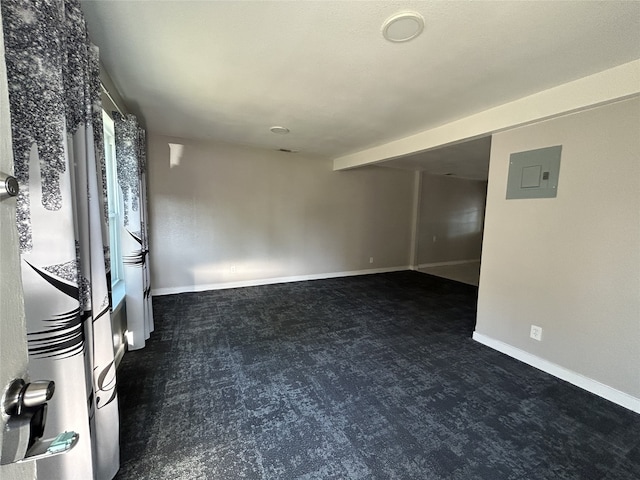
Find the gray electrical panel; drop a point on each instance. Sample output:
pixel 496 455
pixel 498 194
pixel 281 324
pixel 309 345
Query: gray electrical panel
pixel 534 174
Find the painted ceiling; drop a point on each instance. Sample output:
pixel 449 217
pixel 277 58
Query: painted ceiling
pixel 230 70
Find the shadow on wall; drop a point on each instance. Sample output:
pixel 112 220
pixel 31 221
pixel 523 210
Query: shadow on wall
pixel 451 219
pixel 228 214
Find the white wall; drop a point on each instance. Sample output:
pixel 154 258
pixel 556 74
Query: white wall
pixel 569 264
pixel 268 215
pixel 452 212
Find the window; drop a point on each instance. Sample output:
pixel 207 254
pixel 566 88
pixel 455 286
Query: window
pixel 115 209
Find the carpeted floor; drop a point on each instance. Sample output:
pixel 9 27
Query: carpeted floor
pixel 370 377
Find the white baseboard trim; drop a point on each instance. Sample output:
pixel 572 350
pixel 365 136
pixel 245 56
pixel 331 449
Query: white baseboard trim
pixel 609 393
pixel 442 264
pixel 270 281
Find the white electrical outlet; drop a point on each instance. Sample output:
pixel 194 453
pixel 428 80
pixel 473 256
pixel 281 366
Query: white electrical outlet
pixel 370 259
pixel 536 333
pixel 233 269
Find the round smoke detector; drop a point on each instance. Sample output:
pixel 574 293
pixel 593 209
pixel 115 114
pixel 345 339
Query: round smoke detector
pixel 403 27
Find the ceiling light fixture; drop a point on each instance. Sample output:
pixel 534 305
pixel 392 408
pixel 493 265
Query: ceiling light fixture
pixel 403 27
pixel 279 130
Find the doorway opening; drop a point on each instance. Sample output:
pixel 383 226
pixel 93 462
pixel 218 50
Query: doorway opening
pixel 449 208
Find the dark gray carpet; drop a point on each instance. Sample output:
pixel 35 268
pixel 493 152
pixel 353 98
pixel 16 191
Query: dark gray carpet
pixel 365 377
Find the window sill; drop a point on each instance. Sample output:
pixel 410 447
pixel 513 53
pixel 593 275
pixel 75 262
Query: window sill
pixel 117 294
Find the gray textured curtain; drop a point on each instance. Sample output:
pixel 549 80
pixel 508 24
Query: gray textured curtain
pixel 132 166
pixel 54 94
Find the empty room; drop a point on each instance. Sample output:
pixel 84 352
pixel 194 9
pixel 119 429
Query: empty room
pixel 320 240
